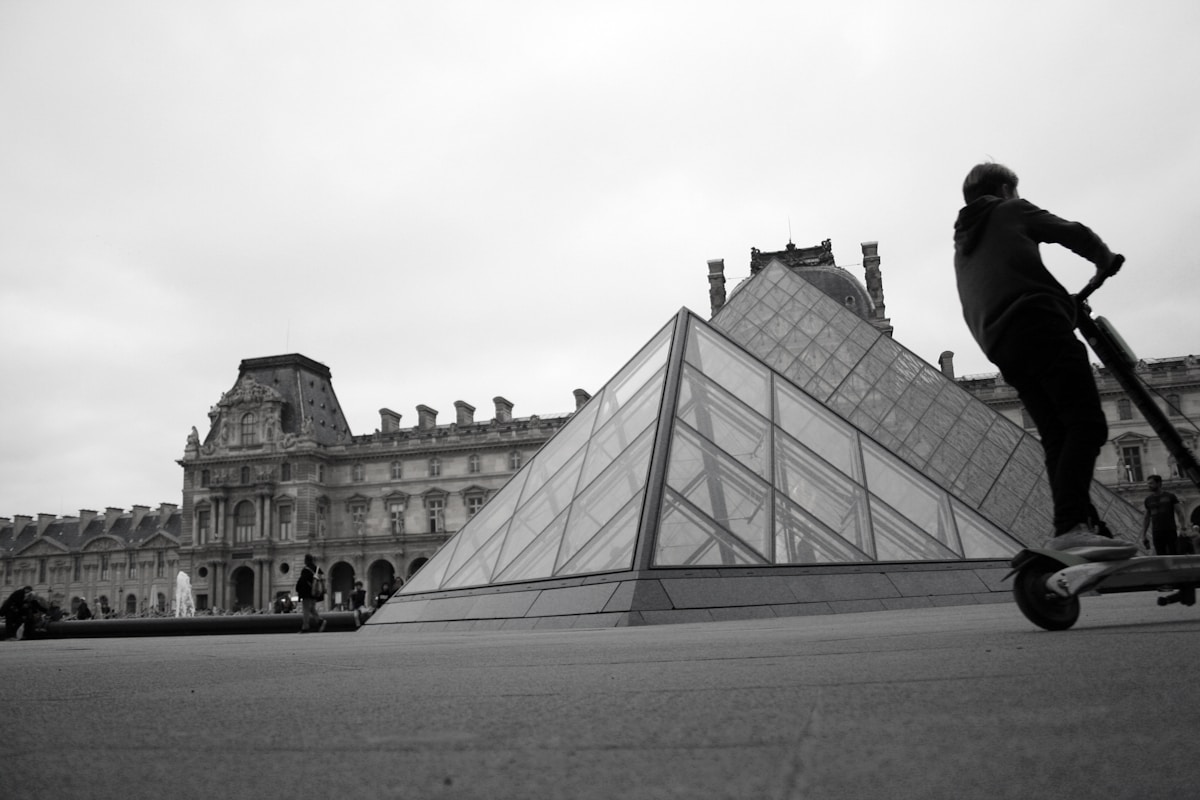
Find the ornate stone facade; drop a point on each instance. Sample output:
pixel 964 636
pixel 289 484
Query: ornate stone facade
pixel 119 561
pixel 280 474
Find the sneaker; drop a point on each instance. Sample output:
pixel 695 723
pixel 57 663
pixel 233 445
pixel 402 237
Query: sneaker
pixel 324 622
pixel 1080 536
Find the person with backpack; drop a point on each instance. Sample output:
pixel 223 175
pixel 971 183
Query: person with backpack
pixel 310 588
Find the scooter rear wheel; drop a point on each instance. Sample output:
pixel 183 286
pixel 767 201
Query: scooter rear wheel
pixel 1041 606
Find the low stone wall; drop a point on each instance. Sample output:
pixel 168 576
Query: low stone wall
pixel 192 626
pixel 702 595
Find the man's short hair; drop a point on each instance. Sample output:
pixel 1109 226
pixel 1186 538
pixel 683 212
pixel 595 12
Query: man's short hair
pixel 986 179
pixel 1154 479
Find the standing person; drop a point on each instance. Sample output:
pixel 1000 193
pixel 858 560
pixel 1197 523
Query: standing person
pixel 307 590
pixel 13 611
pixel 385 592
pixel 1162 510
pixel 358 602
pixel 1024 321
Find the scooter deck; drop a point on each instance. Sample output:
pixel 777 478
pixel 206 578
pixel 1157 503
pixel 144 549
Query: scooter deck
pixel 1140 573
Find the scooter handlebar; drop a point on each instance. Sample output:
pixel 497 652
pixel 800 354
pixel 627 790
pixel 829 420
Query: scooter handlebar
pixel 1100 277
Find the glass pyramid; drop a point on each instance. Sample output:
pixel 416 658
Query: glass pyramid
pixel 905 405
pixel 787 431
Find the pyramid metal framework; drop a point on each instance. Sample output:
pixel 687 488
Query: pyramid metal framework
pixel 785 432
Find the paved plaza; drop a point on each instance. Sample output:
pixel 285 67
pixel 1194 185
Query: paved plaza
pixel 959 702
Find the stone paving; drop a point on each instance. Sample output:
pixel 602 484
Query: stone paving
pixel 956 702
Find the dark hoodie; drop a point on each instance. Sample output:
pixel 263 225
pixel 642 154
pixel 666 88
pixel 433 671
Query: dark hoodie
pixel 999 268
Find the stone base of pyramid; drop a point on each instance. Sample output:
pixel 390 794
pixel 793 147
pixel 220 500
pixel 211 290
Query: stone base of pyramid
pixel 657 597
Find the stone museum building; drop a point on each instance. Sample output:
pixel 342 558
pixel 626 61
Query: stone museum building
pixel 277 475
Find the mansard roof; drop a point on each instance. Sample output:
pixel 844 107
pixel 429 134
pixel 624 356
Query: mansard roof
pixel 303 388
pixel 74 534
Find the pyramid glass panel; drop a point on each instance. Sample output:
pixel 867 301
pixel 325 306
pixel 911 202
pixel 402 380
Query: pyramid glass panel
pixel 540 510
pixel 823 492
pixel 571 440
pixel 604 498
pixel 429 577
pixel 821 430
pixel 495 521
pixel 898 539
pixel 611 548
pixel 800 538
pixel 981 539
pixel 537 559
pixel 730 366
pixel 904 490
pixel 720 487
pixel 688 538
pixel 724 420
pixel 479 567
pixel 623 428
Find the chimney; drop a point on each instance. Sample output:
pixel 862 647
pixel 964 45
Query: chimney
pixel 503 409
pixel 44 521
pixel 111 515
pixel 165 511
pixel 946 364
pixel 426 418
pixel 85 518
pixel 139 514
pixel 389 421
pixel 19 523
pixel 716 284
pixel 581 398
pixel 464 412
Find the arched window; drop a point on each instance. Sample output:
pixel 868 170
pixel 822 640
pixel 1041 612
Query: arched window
pixel 244 527
pixel 249 429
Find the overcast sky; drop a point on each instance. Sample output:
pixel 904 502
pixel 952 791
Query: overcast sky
pixel 450 201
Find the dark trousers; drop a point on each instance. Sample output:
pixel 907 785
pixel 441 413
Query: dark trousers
pixel 1166 543
pixel 308 614
pixel 1042 359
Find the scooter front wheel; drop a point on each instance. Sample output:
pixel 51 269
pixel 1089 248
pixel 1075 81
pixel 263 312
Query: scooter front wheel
pixel 1041 606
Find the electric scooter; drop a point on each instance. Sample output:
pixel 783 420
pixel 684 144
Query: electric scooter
pixel 1048 583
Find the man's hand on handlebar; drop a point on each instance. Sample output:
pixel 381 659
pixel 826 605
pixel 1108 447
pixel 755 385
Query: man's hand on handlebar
pixel 1113 267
